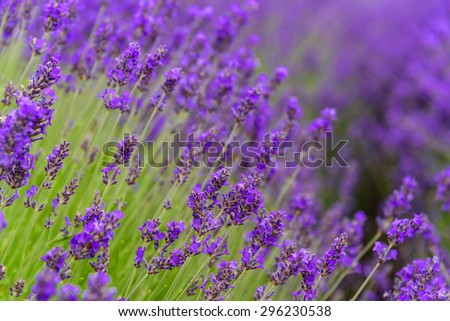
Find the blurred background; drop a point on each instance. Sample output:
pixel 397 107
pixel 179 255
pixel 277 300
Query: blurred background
pixel 385 66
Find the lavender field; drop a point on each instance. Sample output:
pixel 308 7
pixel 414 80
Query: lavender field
pixel 214 150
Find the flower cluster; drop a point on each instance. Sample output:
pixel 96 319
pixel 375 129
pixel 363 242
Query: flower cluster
pixel 399 202
pixel 55 162
pixel 218 284
pixel 420 281
pixel 98 231
pixel 402 229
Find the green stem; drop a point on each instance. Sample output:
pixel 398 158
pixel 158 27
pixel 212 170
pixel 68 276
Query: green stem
pixel 286 187
pixel 366 281
pixel 27 69
pixel 361 253
pixel 335 285
pixel 205 262
pixel 144 132
pixel 175 282
pixel 136 286
pixel 267 292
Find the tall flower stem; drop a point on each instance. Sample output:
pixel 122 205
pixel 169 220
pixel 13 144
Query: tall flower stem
pixel 287 187
pixel 355 261
pixel 137 286
pixel 267 291
pixel 175 282
pixel 366 281
pixel 144 131
pixel 205 262
pixel 27 69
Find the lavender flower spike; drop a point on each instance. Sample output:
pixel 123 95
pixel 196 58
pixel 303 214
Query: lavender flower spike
pixel 55 162
pixel 98 288
pixel 333 255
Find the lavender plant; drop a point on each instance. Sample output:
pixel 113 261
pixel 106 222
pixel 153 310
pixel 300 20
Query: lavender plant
pixel 93 207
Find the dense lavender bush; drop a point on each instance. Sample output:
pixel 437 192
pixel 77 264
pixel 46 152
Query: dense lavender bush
pixel 94 207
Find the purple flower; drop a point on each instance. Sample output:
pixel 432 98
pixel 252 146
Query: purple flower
pixel 151 233
pixel 126 67
pixel 110 179
pixel 173 77
pixel 55 203
pixel 31 192
pixel 55 259
pixel 307 264
pixel 57 14
pixel 269 229
pixel 224 85
pixel 399 202
pixel 83 245
pixel 100 264
pixel 55 162
pixel 9 94
pixel 380 250
pixel 218 180
pixel 220 282
pixel 420 281
pixel 69 190
pixel 190 158
pixel 194 247
pixel 228 26
pixel 66 229
pixel 22 126
pixel 174 229
pixel 2 272
pixel 139 259
pixel 242 201
pixel 3 223
pixel 334 255
pixel 103 38
pixel 17 288
pixel 152 61
pixel 98 288
pixel 279 76
pixel 287 264
pixel 177 258
pixel 112 101
pixel 225 33
pixel 252 259
pixel 46 76
pixel 69 292
pixel 203 219
pixel 248 103
pixel 214 248
pixel 37 45
pixel 402 229
pixel 301 217
pixel 125 149
pixel 355 230
pixel 45 286
pixel 293 109
pixel 96 211
pixel 97 233
pixel 323 124
pixel 47 99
